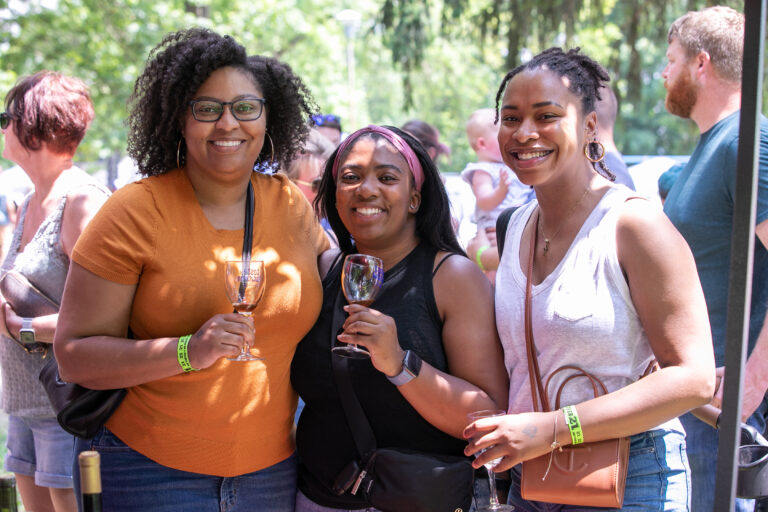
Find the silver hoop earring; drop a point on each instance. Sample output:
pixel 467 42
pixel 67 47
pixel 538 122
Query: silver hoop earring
pixel 272 150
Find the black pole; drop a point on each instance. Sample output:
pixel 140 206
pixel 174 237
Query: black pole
pixel 742 240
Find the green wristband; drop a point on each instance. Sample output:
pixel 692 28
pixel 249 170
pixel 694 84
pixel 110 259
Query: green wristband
pixel 574 425
pixel 479 255
pixel 182 352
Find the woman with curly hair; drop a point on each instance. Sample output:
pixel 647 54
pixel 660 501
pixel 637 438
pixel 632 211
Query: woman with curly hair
pixel 145 307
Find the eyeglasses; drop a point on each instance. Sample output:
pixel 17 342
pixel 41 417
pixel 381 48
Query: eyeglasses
pixel 5 120
pixel 326 120
pixel 210 111
pixel 314 184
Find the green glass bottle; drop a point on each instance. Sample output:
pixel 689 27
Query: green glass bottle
pixel 8 494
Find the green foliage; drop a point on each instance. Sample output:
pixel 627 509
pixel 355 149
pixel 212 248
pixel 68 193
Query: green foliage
pixel 437 60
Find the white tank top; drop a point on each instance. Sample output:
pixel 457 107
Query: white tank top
pixel 582 312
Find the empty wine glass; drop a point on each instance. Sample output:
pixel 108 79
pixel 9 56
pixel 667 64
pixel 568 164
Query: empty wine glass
pixel 361 279
pixel 245 287
pixel 494 504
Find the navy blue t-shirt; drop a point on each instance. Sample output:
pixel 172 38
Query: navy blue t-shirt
pixel 700 204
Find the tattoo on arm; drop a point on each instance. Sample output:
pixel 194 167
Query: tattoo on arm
pixel 530 431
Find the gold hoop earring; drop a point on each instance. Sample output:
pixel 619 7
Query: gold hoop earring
pixel 272 149
pixel 178 154
pixel 602 151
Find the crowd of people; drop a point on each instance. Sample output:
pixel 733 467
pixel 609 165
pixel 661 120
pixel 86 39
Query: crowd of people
pixel 569 269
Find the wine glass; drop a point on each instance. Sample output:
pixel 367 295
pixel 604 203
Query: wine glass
pixel 245 286
pixel 361 279
pixel 494 504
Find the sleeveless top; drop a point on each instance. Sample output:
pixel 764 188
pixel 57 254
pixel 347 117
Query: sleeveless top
pixel 582 312
pixel 44 264
pixel 324 441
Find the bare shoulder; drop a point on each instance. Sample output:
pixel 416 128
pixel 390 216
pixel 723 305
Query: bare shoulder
pixel 458 279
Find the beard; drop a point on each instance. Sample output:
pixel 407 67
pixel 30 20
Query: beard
pixel 681 96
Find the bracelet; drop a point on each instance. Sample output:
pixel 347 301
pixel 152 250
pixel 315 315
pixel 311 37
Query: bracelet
pixel 478 256
pixel 182 353
pixel 574 425
pixel 554 446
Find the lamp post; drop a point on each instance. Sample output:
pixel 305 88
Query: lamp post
pixel 350 20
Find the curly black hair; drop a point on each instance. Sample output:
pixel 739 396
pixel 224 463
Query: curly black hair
pixel 433 218
pixel 585 76
pixel 175 70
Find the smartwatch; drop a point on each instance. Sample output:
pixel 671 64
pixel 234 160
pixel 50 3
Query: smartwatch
pixel 27 333
pixel 411 369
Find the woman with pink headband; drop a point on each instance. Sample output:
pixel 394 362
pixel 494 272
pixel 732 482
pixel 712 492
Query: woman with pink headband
pixel 435 354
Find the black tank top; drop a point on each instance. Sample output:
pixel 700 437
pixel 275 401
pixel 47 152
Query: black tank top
pixel 324 441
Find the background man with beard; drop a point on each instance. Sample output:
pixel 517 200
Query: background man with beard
pixel 703 82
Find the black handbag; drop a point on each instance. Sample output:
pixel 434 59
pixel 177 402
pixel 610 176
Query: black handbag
pixel 82 411
pixel 391 479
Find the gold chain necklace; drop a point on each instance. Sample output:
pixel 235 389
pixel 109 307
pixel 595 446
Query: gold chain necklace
pixel 573 208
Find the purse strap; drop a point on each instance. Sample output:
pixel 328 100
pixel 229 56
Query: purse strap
pixel 534 374
pixel 247 235
pixel 362 433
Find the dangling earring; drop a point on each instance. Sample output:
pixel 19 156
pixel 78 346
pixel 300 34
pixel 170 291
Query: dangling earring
pixel 178 154
pixel 602 151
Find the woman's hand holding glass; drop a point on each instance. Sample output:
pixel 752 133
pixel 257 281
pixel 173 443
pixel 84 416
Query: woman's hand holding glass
pixel 223 335
pixel 376 332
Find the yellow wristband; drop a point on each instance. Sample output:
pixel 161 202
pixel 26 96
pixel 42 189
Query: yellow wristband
pixel 182 353
pixel 478 256
pixel 574 425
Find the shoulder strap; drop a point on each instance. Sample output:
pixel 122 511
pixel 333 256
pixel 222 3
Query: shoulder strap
pixel 440 263
pixel 534 374
pixel 501 227
pixel 362 433
pixel 247 235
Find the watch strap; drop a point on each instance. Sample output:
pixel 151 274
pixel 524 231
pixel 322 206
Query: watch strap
pixel 411 368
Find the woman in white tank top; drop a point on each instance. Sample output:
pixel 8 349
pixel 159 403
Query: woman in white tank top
pixel 614 286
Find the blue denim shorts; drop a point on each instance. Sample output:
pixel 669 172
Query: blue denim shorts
pixel 38 447
pixel 658 478
pixel 130 482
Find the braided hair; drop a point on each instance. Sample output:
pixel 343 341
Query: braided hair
pixel 585 79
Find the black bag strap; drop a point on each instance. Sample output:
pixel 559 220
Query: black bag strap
pixel 502 221
pixel 362 433
pixel 247 235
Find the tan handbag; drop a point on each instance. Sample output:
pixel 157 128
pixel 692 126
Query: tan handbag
pixel 587 474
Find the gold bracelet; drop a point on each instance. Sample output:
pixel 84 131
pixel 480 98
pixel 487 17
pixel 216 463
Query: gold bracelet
pixel 554 446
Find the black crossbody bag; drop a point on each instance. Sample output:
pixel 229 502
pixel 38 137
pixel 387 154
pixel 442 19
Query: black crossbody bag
pixel 391 479
pixel 82 411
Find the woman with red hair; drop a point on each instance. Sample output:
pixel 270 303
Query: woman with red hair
pixel 46 116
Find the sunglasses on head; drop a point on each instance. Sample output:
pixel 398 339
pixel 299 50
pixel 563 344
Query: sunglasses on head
pixel 326 119
pixel 5 120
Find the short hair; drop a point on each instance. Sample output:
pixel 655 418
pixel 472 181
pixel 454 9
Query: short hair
pixel 176 69
pixel 427 135
pixel 478 124
pixel 316 146
pixel 719 31
pixel 607 108
pixel 51 108
pixel 433 219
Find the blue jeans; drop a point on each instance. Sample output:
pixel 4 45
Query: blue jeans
pixel 702 441
pixel 131 482
pixel 658 477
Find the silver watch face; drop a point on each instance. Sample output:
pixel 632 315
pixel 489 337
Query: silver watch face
pixel 27 336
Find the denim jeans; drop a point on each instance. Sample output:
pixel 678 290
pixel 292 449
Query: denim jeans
pixel 658 477
pixel 38 447
pixel 131 482
pixel 702 441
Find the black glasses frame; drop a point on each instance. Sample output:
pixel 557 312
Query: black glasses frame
pixel 223 104
pixel 5 120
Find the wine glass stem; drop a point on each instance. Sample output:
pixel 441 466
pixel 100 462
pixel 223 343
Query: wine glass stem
pixel 245 350
pixel 492 485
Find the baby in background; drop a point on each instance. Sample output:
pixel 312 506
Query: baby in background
pixel 495 185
